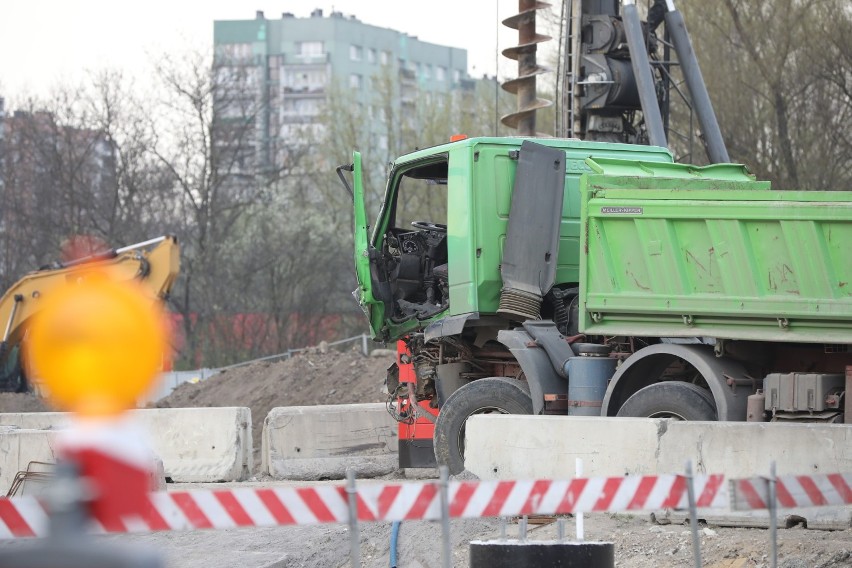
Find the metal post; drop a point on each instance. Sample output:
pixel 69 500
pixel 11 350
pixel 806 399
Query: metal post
pixel 354 536
pixel 693 515
pixel 522 529
pixel 676 28
pixel 502 528
pixel 65 499
pixel 446 549
pixel 642 71
pixel 773 516
pixel 560 529
pixel 364 348
pixel 139 245
pixel 580 528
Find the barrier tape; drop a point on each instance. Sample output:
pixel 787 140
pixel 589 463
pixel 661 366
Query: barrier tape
pixel 279 506
pixel 793 491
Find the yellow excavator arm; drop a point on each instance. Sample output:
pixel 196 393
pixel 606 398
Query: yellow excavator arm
pixel 155 268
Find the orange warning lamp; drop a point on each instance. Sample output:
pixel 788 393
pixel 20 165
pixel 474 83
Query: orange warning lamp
pixel 457 137
pixel 97 344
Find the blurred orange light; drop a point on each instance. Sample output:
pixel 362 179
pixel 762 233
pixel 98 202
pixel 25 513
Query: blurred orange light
pixel 97 344
pixel 457 137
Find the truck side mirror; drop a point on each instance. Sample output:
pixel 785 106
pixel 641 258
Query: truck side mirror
pixel 340 170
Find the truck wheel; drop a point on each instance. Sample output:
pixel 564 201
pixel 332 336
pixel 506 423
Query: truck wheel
pixel 493 395
pixel 672 399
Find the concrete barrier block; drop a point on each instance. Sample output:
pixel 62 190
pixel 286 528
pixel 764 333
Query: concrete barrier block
pixel 524 447
pixel 513 446
pixel 321 442
pixel 192 444
pixel 201 444
pixel 20 447
pixel 195 444
pixel 36 420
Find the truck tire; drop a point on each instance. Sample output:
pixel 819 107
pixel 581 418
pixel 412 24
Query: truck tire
pixel 482 396
pixel 672 399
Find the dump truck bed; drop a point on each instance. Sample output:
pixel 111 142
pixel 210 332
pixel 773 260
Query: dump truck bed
pixel 677 251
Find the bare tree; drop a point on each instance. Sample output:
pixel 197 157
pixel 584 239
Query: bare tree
pixel 776 74
pixel 74 163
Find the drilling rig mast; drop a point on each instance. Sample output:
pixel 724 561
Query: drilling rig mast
pixel 616 86
pixel 524 86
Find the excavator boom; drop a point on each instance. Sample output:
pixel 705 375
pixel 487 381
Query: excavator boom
pixel 155 268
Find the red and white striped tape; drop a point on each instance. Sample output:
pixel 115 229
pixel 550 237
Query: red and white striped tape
pixel 253 507
pixel 259 507
pixel 793 491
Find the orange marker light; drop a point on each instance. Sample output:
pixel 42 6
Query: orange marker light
pixel 457 137
pixel 97 345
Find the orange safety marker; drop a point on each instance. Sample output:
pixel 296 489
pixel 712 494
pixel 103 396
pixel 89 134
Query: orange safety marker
pixel 97 346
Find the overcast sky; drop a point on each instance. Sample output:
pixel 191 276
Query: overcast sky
pixel 43 42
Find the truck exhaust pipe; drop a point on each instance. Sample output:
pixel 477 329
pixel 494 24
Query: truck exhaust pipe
pixel 532 236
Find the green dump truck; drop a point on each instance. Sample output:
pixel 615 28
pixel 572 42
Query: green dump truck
pixel 566 277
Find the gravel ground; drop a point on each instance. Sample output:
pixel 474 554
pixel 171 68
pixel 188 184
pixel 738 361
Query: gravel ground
pixel 639 543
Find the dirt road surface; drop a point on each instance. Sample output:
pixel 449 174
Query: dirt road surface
pixel 639 543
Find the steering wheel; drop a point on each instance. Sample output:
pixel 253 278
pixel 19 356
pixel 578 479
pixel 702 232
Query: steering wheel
pixel 428 226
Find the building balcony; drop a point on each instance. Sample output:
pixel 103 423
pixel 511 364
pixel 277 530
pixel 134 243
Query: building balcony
pixel 303 92
pixel 305 59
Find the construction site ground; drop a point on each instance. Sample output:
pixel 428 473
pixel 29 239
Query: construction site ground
pixel 639 543
pixel 349 377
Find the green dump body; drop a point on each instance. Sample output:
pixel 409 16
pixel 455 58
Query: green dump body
pixel 670 250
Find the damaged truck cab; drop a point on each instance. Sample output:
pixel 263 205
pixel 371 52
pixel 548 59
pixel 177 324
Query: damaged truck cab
pixel 558 276
pixel 436 247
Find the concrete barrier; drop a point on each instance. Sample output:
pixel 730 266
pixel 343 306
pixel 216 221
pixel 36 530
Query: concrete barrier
pixel 512 446
pixel 18 448
pixel 523 447
pixel 201 444
pixel 321 442
pixel 35 420
pixel 195 444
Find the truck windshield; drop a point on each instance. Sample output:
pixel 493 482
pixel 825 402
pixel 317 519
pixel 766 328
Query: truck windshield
pixel 421 196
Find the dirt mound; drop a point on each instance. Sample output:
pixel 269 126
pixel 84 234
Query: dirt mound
pixel 307 379
pixel 24 402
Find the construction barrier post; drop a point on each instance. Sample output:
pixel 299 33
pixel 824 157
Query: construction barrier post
pixel 446 549
pixel 693 515
pixel 354 536
pixel 773 515
pixel 578 465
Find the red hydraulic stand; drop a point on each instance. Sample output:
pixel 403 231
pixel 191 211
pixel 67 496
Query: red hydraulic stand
pixel 415 433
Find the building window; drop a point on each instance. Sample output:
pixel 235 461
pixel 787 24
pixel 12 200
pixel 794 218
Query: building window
pixel 355 52
pixel 296 80
pixel 235 52
pixel 310 48
pixel 440 73
pixel 354 81
pixel 301 107
pixel 371 55
pixel 427 71
pixel 384 57
pixel 456 75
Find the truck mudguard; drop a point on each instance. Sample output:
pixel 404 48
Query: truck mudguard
pixel 644 368
pixel 541 376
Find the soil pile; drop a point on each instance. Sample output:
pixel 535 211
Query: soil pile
pixel 306 379
pixel 23 402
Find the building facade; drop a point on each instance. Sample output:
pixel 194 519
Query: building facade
pixel 289 66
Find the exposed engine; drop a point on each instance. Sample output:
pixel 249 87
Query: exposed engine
pixel 417 269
